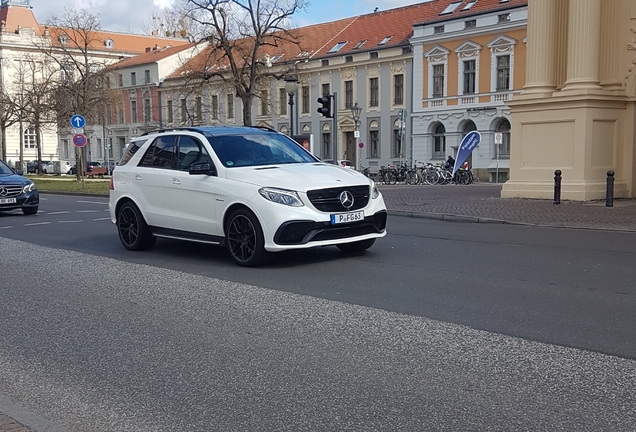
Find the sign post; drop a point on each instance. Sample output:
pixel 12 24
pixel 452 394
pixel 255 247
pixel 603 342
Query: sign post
pixel 498 142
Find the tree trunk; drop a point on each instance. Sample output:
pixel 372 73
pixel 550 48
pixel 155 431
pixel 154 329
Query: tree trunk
pixel 247 110
pixel 4 144
pixel 38 145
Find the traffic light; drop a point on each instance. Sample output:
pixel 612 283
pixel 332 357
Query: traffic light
pixel 325 108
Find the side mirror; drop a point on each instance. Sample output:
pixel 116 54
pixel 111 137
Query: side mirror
pixel 19 172
pixel 202 168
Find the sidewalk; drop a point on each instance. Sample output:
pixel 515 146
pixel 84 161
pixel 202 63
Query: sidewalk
pixel 481 203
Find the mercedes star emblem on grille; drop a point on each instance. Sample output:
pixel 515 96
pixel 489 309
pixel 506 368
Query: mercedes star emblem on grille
pixel 346 199
pixel 3 191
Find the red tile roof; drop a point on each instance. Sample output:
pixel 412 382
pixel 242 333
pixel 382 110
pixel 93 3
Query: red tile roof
pixel 155 54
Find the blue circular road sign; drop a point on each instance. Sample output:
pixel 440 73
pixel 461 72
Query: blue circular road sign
pixel 79 140
pixel 77 121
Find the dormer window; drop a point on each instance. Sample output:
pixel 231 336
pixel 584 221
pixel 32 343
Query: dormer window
pixel 451 8
pixel 337 47
pixel 385 40
pixel 359 44
pixel 469 5
pixel 109 43
pixel 63 39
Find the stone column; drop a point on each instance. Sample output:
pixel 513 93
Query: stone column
pixel 610 41
pixel 584 38
pixel 540 58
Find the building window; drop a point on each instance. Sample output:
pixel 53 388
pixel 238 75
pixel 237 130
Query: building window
pixel 439 142
pixel 438 80
pixel 470 24
pixel 374 92
pixel 503 73
pixel 215 107
pixel 324 63
pixel 326 89
pixel 373 55
pixel 326 145
pixel 170 112
pixel 337 47
pixel 469 76
pixel 120 80
pixel 230 106
pixel 504 17
pixel 184 111
pixel 282 101
pixel 407 50
pixel 438 29
pixel 398 89
pixel 504 147
pixel 385 40
pixel 30 138
pixel 120 113
pixel 147 112
pixel 147 76
pixel 133 111
pixel 304 94
pixel 359 44
pixel 133 78
pixel 349 59
pixel 348 94
pixel 264 102
pixel 374 144
pixel 396 145
pixel 65 151
pixel 199 108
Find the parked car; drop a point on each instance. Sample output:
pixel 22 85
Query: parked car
pixel 89 167
pixel 65 168
pixel 251 189
pixel 32 166
pixel 17 192
pixel 342 162
pixel 111 166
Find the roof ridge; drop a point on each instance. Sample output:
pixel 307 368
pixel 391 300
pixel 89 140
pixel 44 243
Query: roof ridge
pixel 336 35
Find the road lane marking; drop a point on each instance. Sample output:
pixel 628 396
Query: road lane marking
pixel 106 218
pixel 55 213
pixel 93 202
pixel 72 221
pixel 6 227
pixel 37 223
pixel 87 211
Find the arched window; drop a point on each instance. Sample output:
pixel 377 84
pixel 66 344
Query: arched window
pixel 468 127
pixel 439 141
pixel 504 128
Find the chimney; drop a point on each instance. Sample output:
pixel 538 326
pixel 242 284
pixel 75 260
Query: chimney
pixel 156 47
pixel 154 32
pixel 147 49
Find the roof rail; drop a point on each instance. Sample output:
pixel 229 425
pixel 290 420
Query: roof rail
pixel 169 130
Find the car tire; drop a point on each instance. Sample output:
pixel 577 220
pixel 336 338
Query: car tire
pixel 244 239
pixel 30 210
pixel 133 230
pixel 358 246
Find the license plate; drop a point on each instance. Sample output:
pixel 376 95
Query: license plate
pixel 346 217
pixel 7 200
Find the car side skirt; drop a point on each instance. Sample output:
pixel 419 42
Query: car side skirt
pixel 187 236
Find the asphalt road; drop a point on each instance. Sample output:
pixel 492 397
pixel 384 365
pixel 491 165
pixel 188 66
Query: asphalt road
pixel 179 338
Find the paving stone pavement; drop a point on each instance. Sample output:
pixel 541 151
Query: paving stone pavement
pixel 481 203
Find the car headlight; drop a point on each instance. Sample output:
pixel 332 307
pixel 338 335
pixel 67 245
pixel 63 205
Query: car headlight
pixel 374 191
pixel 281 196
pixel 28 188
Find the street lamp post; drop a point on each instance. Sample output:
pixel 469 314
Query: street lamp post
pixel 291 86
pixel 355 112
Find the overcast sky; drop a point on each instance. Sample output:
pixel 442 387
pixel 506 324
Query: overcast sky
pixel 135 15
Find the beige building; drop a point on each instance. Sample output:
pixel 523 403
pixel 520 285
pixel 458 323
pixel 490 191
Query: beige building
pixel 577 109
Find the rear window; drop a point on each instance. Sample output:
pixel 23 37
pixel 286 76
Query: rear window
pixel 131 150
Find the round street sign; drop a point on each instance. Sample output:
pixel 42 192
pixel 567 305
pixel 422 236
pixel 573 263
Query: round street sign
pixel 498 138
pixel 79 140
pixel 77 121
pixel 361 144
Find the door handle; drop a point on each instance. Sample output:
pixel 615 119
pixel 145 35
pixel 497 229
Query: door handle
pixel 138 177
pixel 176 181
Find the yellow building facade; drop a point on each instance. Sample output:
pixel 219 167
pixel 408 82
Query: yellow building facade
pixel 576 112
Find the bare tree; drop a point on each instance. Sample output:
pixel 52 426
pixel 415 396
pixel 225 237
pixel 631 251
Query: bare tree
pixel 8 117
pixel 174 21
pixel 238 31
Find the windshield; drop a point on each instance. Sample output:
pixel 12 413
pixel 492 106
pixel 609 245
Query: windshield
pixel 5 169
pixel 258 150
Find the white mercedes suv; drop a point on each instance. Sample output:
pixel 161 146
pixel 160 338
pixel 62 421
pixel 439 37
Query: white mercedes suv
pixel 252 189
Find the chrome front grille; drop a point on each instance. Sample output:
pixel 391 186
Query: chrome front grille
pixel 328 200
pixel 10 190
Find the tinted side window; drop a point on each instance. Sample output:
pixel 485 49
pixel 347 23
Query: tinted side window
pixel 131 150
pixel 161 153
pixel 190 151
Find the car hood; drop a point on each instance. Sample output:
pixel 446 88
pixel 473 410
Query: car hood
pixel 14 179
pixel 299 177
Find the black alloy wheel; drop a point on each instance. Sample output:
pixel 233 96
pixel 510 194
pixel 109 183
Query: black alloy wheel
pixel 132 228
pixel 244 239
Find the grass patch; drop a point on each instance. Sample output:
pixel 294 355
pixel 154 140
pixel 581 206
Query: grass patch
pixel 71 186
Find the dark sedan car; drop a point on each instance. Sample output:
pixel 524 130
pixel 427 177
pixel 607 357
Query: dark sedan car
pixel 17 192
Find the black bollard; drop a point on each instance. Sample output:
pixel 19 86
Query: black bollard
pixel 557 187
pixel 609 195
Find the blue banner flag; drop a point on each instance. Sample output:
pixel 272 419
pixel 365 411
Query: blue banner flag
pixel 469 143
